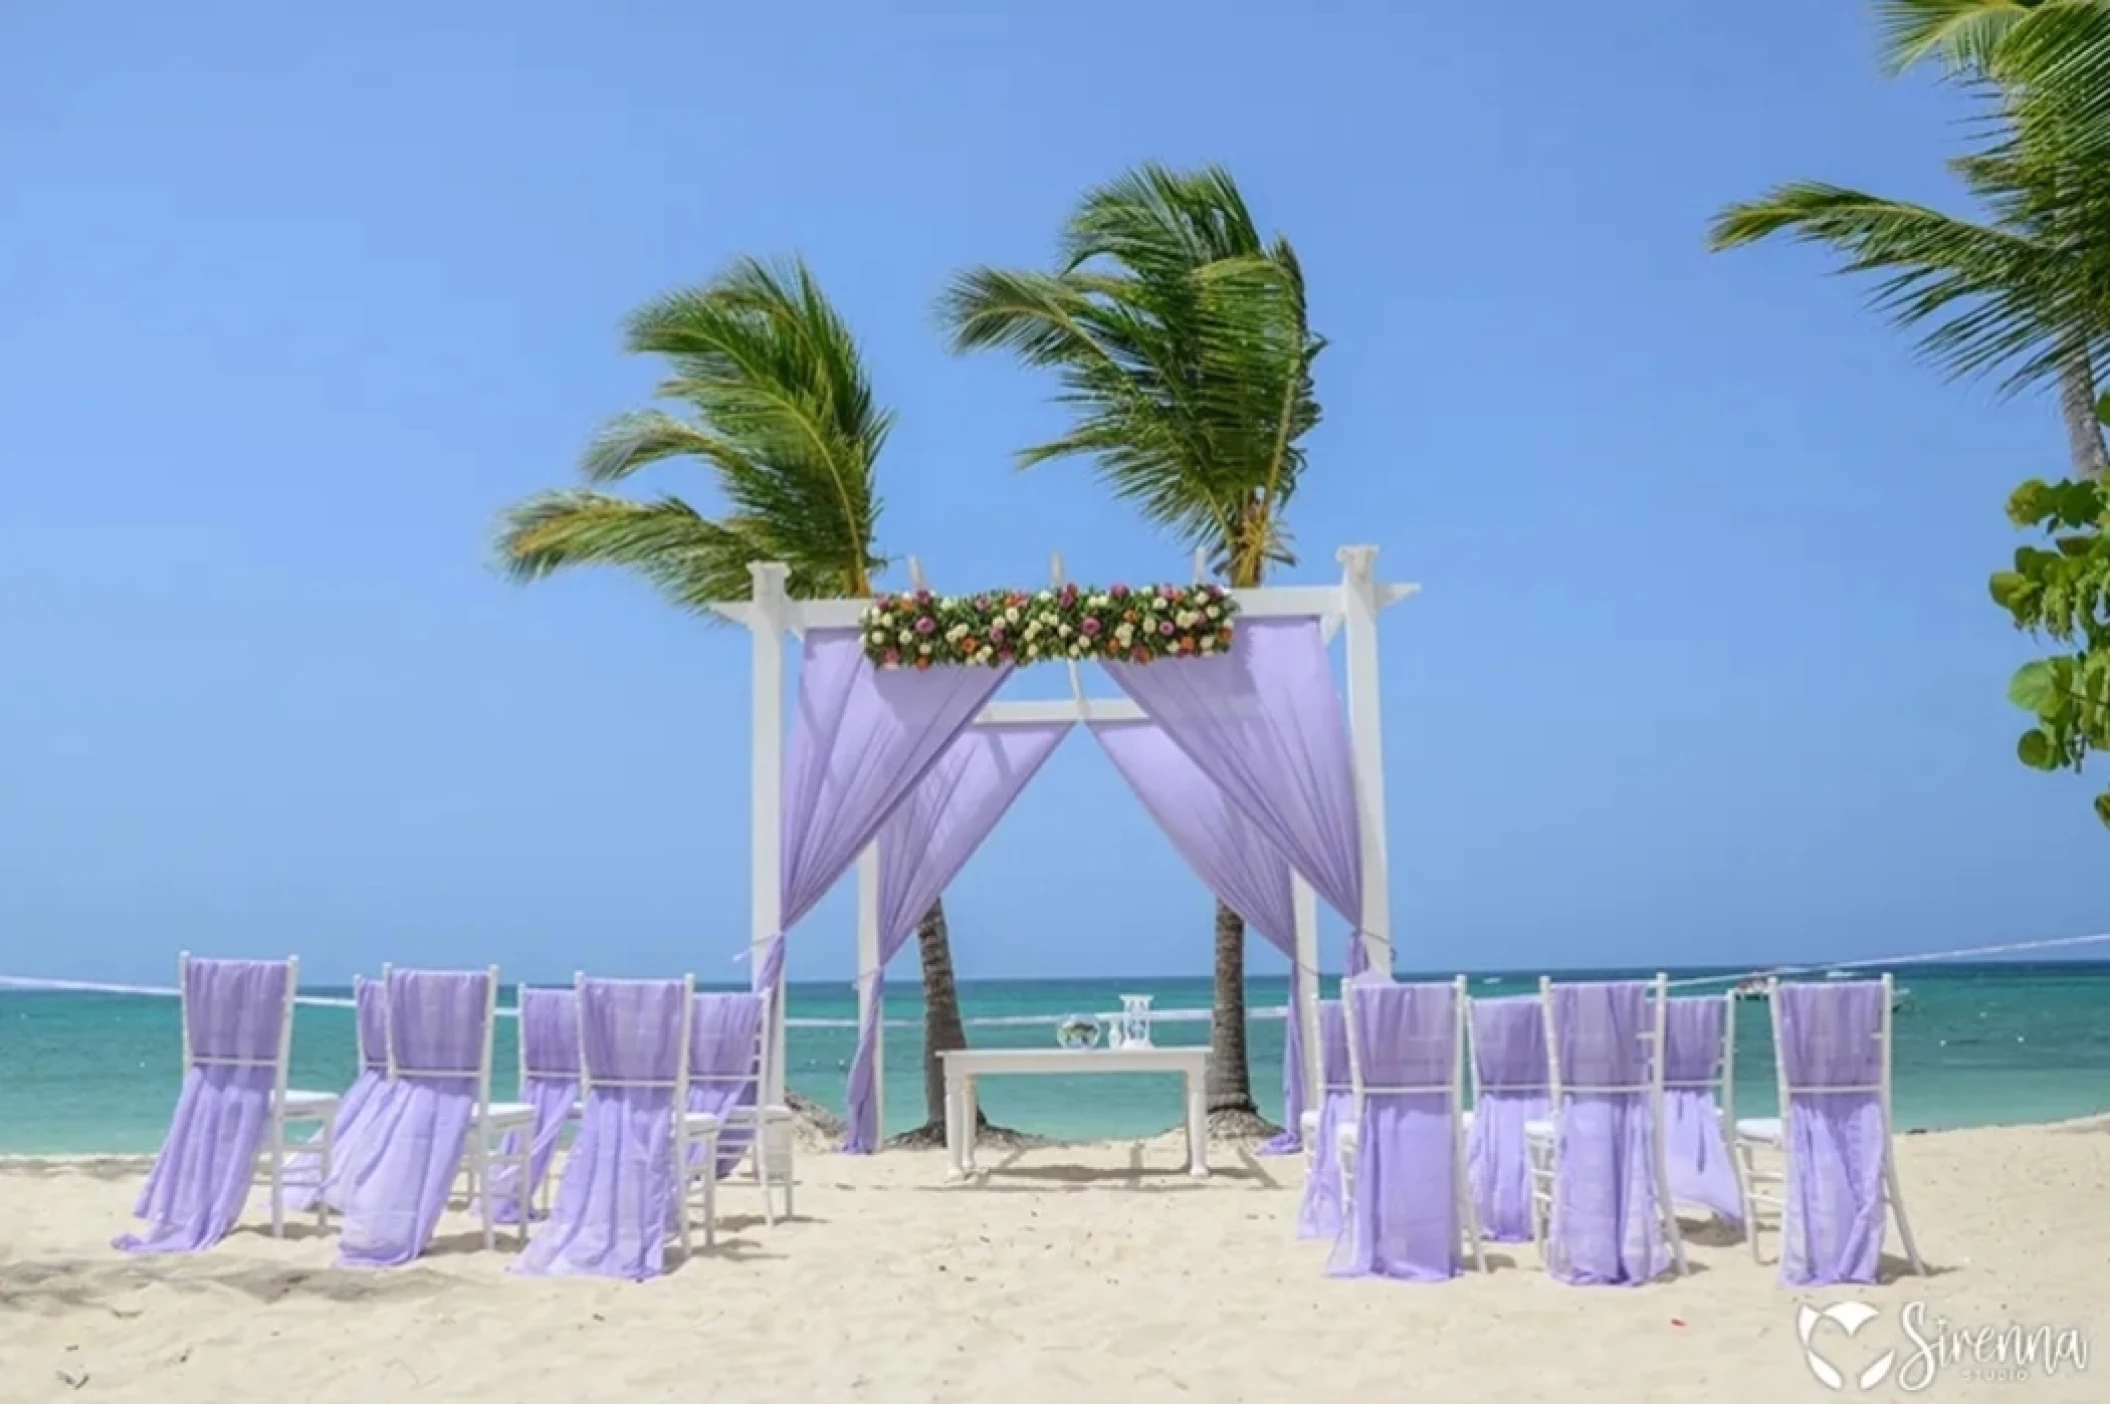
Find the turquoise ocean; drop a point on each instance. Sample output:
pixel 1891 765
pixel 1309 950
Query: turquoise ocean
pixel 1975 1045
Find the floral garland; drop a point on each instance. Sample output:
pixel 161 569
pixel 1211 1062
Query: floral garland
pixel 1000 627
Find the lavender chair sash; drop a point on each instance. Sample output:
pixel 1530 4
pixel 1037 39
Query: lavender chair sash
pixel 1606 1228
pixel 549 1082
pixel 439 1059
pixel 1509 1058
pixel 1402 1219
pixel 1700 1170
pixel 1319 1214
pixel 619 1191
pixel 235 1019
pixel 350 1133
pixel 1832 1051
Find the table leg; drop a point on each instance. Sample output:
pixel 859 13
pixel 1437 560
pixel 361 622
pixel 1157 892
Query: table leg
pixel 970 1116
pixel 955 1166
pixel 1197 1127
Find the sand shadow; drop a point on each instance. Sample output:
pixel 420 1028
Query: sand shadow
pixel 84 1285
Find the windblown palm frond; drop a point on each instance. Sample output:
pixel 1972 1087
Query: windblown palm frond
pixel 1180 342
pixel 782 414
pixel 1993 294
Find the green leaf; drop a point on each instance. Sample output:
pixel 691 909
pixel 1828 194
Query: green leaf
pixel 2030 503
pixel 2102 412
pixel 2032 687
pixel 2013 592
pixel 2036 751
pixel 2102 808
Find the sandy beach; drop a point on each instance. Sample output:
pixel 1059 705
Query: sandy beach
pixel 1070 1272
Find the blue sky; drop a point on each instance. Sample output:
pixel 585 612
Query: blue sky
pixel 297 297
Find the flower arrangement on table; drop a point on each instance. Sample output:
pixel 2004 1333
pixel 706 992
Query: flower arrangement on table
pixel 1140 625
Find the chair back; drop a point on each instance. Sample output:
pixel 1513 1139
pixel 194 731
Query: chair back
pixel 731 1044
pixel 549 1033
pixel 1509 1046
pixel 370 1011
pixel 1832 1037
pixel 634 1033
pixel 439 1026
pixel 1405 1039
pixel 239 1014
pixel 1699 1034
pixel 1334 1072
pixel 1603 1037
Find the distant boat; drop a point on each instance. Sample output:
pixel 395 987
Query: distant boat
pixel 1838 974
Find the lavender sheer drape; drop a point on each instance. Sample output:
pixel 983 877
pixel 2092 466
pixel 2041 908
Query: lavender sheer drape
pixel 861 739
pixel 922 847
pixel 349 1131
pixel 549 1063
pixel 1233 860
pixel 1264 723
pixel 1606 1228
pixel 1700 1170
pixel 1319 1215
pixel 618 1194
pixel 1402 1219
pixel 1836 1134
pixel 235 1011
pixel 1509 1056
pixel 725 1053
pixel 439 1040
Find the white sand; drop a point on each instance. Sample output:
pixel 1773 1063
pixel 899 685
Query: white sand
pixel 1094 1273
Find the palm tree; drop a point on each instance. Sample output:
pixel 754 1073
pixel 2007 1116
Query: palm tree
pixel 1178 335
pixel 781 412
pixel 2028 290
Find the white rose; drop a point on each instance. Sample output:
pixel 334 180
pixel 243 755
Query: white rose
pixel 1208 644
pixel 1045 596
pixel 1099 601
pixel 878 637
pixel 925 649
pixel 907 637
pixel 1011 615
pixel 1064 630
pixel 1076 652
pixel 1124 632
pixel 887 618
pixel 1216 611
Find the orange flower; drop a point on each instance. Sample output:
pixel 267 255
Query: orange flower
pixel 922 665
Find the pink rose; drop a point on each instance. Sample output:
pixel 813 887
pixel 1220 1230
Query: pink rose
pixel 1119 592
pixel 1166 627
pixel 926 624
pixel 1089 627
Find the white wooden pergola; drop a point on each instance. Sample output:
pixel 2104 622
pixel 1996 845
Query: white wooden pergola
pixel 1349 608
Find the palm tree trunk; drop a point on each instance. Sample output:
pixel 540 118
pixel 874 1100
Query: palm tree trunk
pixel 2084 433
pixel 943 1030
pixel 1230 1075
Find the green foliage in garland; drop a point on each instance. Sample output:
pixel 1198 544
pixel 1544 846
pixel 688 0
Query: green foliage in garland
pixel 2063 595
pixel 1141 625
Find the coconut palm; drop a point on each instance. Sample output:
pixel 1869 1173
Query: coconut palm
pixel 1178 336
pixel 2027 291
pixel 779 409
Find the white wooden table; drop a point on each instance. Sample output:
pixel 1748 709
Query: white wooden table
pixel 963 1066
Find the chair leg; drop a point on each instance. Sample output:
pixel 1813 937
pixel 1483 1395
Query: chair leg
pixel 682 1171
pixel 1660 1152
pixel 710 1192
pixel 324 1150
pixel 480 1177
pixel 278 1177
pixel 1468 1211
pixel 1897 1209
pixel 1740 1159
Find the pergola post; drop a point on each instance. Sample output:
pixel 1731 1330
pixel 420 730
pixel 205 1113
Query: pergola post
pixel 1361 599
pixel 766 622
pixel 1306 1009
pixel 871 999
